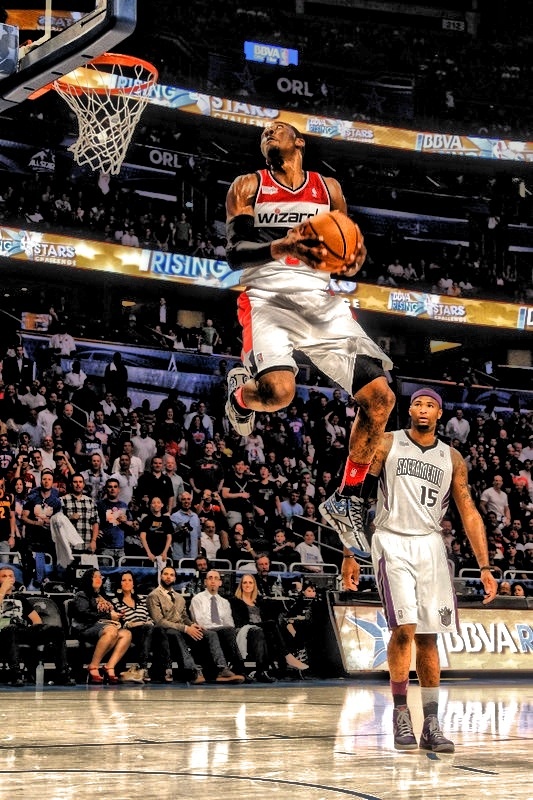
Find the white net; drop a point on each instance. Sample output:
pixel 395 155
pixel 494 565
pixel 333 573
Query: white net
pixel 108 96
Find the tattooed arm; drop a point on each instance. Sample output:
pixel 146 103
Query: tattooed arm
pixel 472 523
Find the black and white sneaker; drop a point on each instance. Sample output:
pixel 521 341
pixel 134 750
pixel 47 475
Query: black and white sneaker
pixel 346 517
pixel 242 423
pixel 402 728
pixel 432 737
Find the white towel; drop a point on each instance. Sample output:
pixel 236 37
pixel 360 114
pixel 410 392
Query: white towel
pixel 65 537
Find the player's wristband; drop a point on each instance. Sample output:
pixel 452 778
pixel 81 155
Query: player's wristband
pixel 350 556
pixel 486 566
pixel 242 250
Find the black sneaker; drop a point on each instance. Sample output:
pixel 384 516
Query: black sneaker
pixel 65 678
pixel 402 727
pixel 17 678
pixel 432 737
pixel 264 677
pixel 346 517
pixel 197 677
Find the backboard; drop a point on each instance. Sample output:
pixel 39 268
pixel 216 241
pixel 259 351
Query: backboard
pixel 53 38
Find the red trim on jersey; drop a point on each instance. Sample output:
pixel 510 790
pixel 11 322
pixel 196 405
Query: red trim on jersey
pixel 244 315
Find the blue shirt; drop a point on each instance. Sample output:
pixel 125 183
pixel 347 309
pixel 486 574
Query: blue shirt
pixel 112 533
pixel 46 507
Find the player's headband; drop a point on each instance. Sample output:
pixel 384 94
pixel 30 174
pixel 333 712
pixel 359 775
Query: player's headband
pixel 427 393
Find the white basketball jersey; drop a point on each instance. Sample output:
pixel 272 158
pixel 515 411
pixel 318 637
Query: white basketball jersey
pixel 277 209
pixel 414 487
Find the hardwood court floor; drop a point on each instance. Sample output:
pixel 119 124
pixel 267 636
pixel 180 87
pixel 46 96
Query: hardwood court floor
pixel 301 740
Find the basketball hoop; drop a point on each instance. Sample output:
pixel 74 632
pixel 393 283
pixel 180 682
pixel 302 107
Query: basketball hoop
pixel 108 96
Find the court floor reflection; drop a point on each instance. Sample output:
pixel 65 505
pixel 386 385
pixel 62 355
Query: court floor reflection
pixel 304 740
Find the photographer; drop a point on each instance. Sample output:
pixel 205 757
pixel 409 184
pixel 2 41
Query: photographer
pixel 186 536
pixel 211 507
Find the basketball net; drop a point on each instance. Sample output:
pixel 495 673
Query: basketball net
pixel 108 96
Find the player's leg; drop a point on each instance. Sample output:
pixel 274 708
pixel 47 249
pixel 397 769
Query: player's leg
pixel 437 611
pixel 266 381
pixel 399 660
pixel 344 510
pixel 428 671
pixel 392 557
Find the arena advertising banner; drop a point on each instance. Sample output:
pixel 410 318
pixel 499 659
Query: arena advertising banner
pixel 498 639
pixel 48 248
pixel 249 113
pixel 17 157
pixel 270 54
pixel 411 303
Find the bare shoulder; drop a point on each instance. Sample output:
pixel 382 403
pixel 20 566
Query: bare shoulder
pixel 336 194
pixel 241 193
pixel 458 462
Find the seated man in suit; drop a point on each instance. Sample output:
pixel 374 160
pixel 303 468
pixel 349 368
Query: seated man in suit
pixel 213 614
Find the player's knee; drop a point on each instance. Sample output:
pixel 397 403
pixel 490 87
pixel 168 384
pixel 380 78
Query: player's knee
pixel 403 635
pixel 276 389
pixel 376 398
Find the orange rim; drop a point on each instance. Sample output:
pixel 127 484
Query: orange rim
pixel 38 92
pixel 111 58
pixel 104 59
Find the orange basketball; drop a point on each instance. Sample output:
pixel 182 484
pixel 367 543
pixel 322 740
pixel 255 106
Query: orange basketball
pixel 341 235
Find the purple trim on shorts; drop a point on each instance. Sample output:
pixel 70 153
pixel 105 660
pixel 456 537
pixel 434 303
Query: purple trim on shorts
pixel 383 487
pixel 454 597
pixel 385 594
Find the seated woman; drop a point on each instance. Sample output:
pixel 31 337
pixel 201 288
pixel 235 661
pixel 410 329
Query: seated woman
pixel 261 635
pixel 96 620
pixel 135 619
pixel 251 639
pixel 297 622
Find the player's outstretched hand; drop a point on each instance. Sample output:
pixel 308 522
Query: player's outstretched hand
pixel 490 584
pixel 350 571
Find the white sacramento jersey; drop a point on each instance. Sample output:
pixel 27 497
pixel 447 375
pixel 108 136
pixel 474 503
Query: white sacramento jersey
pixel 415 487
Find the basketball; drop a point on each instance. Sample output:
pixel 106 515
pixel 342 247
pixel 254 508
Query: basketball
pixel 341 235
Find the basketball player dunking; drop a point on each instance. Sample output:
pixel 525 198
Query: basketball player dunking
pixel 417 473
pixel 286 306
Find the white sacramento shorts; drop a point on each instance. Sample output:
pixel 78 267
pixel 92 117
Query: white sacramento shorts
pixel 319 324
pixel 414 581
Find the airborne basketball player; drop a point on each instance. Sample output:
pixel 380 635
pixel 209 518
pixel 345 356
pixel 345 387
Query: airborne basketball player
pixel 286 306
pixel 417 474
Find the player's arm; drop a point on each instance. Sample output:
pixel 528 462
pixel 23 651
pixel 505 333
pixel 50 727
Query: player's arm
pixel 380 456
pixel 338 202
pixel 472 523
pixel 244 248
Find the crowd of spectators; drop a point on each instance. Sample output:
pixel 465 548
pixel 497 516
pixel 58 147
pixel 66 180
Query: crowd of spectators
pixel 176 482
pixel 478 80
